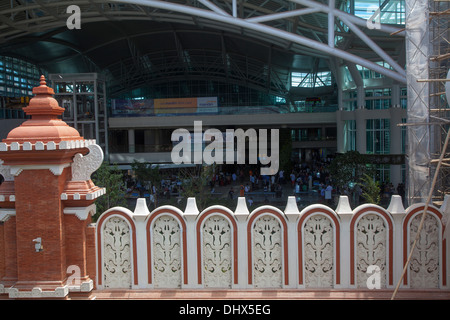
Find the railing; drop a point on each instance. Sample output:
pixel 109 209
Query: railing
pixel 318 247
pixel 272 109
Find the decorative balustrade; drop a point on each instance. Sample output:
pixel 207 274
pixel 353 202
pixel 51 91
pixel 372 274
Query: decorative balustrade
pixel 318 247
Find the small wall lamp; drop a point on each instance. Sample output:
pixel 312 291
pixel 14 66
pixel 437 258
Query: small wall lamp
pixel 38 244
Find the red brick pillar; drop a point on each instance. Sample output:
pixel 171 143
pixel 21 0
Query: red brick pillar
pixel 9 276
pixel 46 203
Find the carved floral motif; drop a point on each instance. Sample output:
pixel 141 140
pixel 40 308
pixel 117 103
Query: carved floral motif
pixel 318 251
pixel 267 254
pixel 424 265
pixel 217 253
pixel 371 239
pixel 116 253
pixel 6 172
pixel 84 166
pixel 166 253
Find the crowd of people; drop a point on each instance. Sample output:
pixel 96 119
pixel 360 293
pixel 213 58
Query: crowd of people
pixel 311 181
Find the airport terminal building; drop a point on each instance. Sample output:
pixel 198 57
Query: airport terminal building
pixel 332 76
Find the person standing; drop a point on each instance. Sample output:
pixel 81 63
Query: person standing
pixel 328 191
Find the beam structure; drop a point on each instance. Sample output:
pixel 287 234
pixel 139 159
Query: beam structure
pixel 263 23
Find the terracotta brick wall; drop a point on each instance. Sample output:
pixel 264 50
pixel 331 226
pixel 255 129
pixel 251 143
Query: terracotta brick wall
pixel 39 214
pixel 10 250
pixel 2 251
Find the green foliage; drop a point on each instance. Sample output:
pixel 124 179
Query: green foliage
pixel 349 167
pixel 371 189
pixel 111 178
pixel 285 155
pixel 196 183
pixel 146 172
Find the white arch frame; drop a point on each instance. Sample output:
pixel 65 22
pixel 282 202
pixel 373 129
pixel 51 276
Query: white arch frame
pixel 335 262
pixel 101 242
pixel 215 211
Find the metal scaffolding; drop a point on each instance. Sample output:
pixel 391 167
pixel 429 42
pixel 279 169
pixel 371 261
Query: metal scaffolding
pixel 428 76
pixel 428 56
pixel 439 101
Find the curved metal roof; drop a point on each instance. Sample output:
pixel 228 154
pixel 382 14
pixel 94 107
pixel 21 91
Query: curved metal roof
pixel 256 43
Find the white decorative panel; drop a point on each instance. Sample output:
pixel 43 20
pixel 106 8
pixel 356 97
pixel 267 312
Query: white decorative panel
pixel 318 252
pixel 217 252
pixel 267 252
pixel 116 253
pixel 167 253
pixel 371 242
pixel 424 265
pixel 84 166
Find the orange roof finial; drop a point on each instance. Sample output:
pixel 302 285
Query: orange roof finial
pixel 44 124
pixel 43 89
pixel 42 80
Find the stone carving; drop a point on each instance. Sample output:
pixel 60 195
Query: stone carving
pixel 5 171
pixel 84 166
pixel 318 251
pixel 424 265
pixel 217 252
pixel 116 253
pixel 371 239
pixel 166 253
pixel 267 254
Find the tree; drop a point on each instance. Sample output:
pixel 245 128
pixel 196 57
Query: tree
pixel 196 183
pixel 371 189
pixel 111 178
pixel 285 150
pixel 348 169
pixel 146 172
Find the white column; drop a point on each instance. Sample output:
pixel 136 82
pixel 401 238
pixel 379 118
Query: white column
pixel 340 132
pixel 345 213
pixel 131 144
pixel 360 116
pixel 292 213
pixel 398 213
pixel 241 213
pixel 141 212
pixel 396 115
pixel 190 215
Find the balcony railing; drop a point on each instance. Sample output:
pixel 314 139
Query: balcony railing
pixel 272 109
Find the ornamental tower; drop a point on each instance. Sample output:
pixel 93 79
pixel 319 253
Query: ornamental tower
pixel 47 246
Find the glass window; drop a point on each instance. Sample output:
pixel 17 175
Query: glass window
pixel 350 135
pixel 378 136
pixel 311 80
pixel 390 12
pixel 21 76
pixel 377 99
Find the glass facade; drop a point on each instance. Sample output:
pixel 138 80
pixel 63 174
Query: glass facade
pixel 378 136
pixel 350 135
pixel 390 12
pixel 377 99
pixel 17 77
pixel 370 74
pixel 229 94
pixel 311 80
